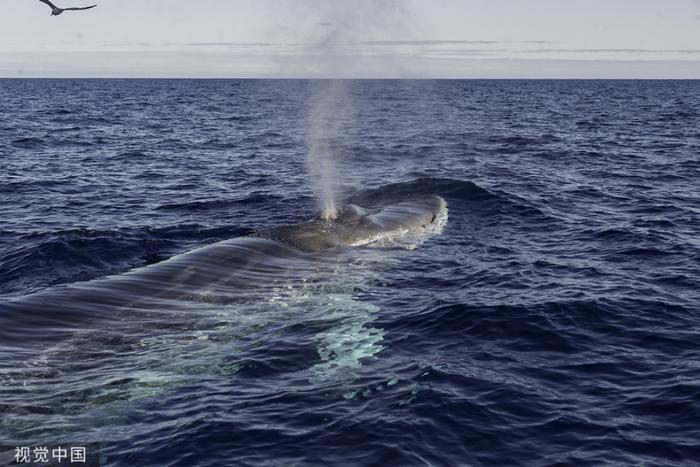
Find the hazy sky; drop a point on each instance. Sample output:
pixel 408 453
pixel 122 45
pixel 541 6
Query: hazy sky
pixel 354 38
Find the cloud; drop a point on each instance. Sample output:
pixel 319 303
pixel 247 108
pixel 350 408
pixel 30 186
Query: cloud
pixel 230 44
pixel 233 63
pixel 332 40
pixel 611 50
pixel 429 42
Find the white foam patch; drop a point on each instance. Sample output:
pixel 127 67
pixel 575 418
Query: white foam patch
pixel 350 340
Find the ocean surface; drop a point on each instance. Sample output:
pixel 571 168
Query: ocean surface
pixel 554 320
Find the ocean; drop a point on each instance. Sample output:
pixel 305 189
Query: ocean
pixel 553 319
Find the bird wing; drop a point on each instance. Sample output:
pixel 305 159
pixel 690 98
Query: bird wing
pixel 78 8
pixel 48 3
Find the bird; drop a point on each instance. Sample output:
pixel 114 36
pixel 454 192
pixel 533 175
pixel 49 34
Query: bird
pixel 55 11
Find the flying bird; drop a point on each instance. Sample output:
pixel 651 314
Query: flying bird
pixel 55 11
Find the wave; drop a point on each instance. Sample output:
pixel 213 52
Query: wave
pixel 29 143
pixel 447 188
pixel 66 129
pixel 487 202
pixel 548 326
pixel 36 184
pixel 49 259
pixel 252 199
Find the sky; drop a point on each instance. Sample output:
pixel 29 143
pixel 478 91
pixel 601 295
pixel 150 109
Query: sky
pixel 353 39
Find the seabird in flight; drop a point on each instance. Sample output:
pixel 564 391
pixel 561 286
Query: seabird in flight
pixel 55 11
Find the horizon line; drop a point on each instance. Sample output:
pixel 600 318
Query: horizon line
pixel 283 78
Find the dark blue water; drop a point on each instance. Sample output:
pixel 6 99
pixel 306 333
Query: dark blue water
pixel 555 321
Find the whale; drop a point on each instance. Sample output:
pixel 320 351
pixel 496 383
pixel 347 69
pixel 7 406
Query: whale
pixel 226 273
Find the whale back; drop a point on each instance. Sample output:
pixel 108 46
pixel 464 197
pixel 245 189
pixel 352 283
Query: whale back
pixel 224 272
pixel 358 226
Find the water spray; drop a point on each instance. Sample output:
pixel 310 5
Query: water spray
pixel 325 117
pixel 334 53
